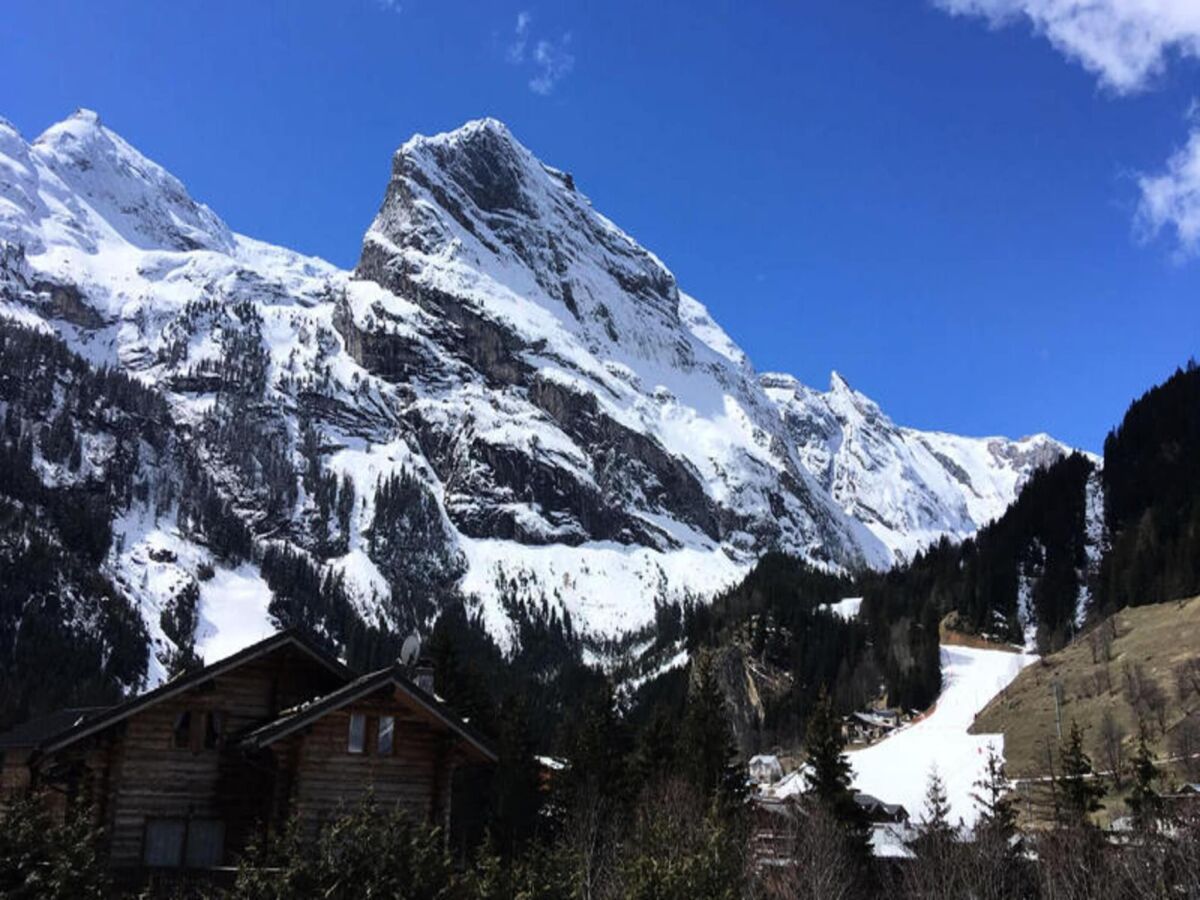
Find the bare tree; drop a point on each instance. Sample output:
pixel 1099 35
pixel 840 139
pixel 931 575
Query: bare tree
pixel 1185 743
pixel 1187 678
pixel 1093 641
pixel 819 862
pixel 1132 678
pixel 1112 745
pixel 1153 703
pixel 1072 864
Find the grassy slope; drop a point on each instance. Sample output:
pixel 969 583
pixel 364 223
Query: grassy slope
pixel 1156 637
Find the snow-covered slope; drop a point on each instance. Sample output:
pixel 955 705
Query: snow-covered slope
pixel 508 397
pixel 909 487
pixel 897 769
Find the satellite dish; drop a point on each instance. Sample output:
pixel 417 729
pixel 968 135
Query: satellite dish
pixel 411 649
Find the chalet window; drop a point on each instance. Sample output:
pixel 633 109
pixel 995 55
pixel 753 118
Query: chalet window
pixel 197 843
pixel 358 733
pixel 387 735
pixel 164 842
pixel 182 737
pixel 213 723
pixel 205 843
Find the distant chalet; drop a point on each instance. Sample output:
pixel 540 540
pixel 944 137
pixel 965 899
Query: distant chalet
pixel 187 774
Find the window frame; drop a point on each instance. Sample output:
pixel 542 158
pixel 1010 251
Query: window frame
pixel 360 719
pixel 184 840
pixel 189 847
pixel 390 731
pixel 214 729
pixel 181 731
pixel 149 826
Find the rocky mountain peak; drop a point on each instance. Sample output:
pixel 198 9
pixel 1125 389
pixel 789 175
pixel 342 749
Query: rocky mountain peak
pixel 478 202
pixel 124 194
pixel 508 389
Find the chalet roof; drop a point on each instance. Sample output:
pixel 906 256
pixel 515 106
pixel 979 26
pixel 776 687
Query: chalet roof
pixel 878 720
pixel 871 803
pixel 29 734
pixel 309 712
pixel 88 726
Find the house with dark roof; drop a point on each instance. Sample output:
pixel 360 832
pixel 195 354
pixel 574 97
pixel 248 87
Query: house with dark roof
pixel 186 774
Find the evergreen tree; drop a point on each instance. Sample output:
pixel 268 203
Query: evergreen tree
pixel 709 753
pixel 935 872
pixel 597 746
pixel 1144 801
pixel 516 785
pixel 1078 789
pixel 366 851
pixel 655 753
pixel 42 859
pixel 830 775
pixel 935 822
pixel 996 813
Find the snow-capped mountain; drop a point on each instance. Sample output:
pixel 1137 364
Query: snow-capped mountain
pixel 909 487
pixel 507 397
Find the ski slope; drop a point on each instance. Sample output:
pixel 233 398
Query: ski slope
pixel 896 769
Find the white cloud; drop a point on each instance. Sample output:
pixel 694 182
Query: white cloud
pixel 390 5
pixel 516 50
pixel 552 60
pixel 555 62
pixel 1125 43
pixel 1171 198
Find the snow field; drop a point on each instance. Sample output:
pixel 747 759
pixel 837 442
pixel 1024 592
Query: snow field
pixel 896 770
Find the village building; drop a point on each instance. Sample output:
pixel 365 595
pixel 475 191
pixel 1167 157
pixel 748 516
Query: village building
pixel 184 776
pixel 869 727
pixel 764 769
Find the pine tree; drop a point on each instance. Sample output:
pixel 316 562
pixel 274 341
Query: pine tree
pixel 935 823
pixel 655 755
pixel 1144 801
pixel 1079 789
pixel 830 777
pixel 709 754
pixel 516 788
pixel 997 816
pixel 935 872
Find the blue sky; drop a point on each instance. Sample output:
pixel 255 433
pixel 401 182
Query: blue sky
pixel 986 224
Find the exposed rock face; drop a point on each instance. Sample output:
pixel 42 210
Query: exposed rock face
pixel 558 314
pixel 909 487
pixel 747 684
pixel 559 408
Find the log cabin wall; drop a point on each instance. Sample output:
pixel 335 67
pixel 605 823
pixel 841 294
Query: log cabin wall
pixel 14 775
pixel 328 778
pixel 154 767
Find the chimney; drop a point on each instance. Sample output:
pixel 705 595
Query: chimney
pixel 422 675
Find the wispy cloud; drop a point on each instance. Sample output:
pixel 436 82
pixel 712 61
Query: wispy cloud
pixel 516 50
pixel 551 60
pixel 1127 45
pixel 390 5
pixel 1171 198
pixel 555 62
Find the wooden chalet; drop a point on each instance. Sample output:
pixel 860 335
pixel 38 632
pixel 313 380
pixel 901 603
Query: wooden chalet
pixel 184 775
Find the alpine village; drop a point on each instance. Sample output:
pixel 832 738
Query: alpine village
pixel 488 566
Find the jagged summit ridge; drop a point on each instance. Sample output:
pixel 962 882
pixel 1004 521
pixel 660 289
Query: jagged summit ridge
pixel 909 487
pixel 503 357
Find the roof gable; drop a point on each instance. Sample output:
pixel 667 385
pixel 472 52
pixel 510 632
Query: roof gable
pixel 190 680
pixel 32 732
pixel 293 721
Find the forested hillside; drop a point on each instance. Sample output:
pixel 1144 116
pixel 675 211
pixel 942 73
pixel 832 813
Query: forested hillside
pixel 1083 538
pixel 1152 485
pixel 69 447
